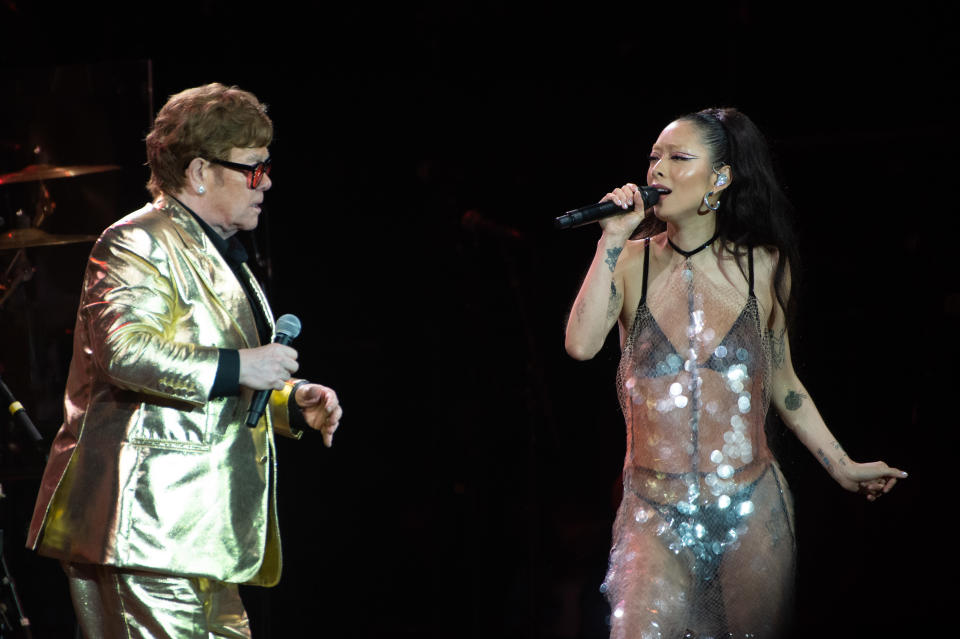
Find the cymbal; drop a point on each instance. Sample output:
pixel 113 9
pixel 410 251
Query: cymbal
pixel 27 238
pixel 36 172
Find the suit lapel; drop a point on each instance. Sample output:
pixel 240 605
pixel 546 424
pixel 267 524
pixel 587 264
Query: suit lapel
pixel 261 298
pixel 217 277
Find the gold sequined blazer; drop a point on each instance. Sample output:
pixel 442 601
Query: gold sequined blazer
pixel 147 472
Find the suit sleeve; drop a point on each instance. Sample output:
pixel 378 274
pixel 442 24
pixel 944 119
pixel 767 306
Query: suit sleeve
pixel 282 414
pixel 142 333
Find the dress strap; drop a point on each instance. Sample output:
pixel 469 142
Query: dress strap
pixel 646 269
pixel 750 264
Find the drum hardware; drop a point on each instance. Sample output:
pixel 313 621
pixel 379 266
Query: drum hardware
pixel 17 620
pixel 32 235
pixel 14 623
pixel 40 172
pixel 6 579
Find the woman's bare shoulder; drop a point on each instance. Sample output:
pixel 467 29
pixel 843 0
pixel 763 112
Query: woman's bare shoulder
pixel 765 260
pixel 636 247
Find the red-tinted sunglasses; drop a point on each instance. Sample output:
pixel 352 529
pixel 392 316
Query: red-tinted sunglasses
pixel 254 172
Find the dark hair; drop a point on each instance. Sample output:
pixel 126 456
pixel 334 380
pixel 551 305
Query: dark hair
pixel 754 209
pixel 206 121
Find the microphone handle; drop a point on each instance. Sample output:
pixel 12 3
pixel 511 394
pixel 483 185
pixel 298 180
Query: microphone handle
pixel 600 210
pixel 258 405
pixel 18 414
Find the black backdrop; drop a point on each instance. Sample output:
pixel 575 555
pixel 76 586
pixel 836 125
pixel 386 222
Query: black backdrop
pixel 421 151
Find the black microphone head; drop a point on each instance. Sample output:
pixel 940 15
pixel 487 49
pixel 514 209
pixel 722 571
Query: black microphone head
pixel 288 325
pixel 650 195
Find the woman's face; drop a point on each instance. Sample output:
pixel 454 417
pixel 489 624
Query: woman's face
pixel 680 162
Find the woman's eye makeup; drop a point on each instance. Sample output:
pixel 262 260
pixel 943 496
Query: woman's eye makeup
pixel 675 156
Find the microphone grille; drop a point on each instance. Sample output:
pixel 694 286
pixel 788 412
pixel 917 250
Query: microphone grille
pixel 649 195
pixel 288 325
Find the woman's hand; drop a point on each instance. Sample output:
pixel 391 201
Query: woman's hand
pixel 629 199
pixel 872 479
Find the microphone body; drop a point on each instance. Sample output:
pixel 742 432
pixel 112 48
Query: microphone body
pixel 18 414
pixel 288 327
pixel 600 210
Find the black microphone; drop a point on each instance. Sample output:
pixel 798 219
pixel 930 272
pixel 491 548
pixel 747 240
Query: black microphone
pixel 600 210
pixel 288 327
pixel 19 415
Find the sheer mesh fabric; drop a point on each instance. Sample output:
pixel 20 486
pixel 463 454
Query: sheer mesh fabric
pixel 703 540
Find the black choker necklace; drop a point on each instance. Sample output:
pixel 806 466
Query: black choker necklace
pixel 694 251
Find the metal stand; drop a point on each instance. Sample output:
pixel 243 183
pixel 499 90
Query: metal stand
pixel 13 621
pixel 9 630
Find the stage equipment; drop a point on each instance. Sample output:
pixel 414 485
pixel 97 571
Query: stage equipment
pixel 39 172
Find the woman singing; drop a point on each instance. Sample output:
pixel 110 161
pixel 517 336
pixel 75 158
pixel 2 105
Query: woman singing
pixel 703 542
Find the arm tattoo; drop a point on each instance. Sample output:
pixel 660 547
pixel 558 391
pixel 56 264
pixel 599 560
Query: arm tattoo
pixel 614 301
pixel 841 452
pixel 823 458
pixel 778 347
pixel 579 312
pixel 612 256
pixel 793 400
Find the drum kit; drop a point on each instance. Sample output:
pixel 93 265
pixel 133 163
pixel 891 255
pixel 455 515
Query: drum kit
pixel 30 237
pixel 20 239
pixel 15 243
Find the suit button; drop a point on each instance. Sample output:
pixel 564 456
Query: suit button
pixel 263 459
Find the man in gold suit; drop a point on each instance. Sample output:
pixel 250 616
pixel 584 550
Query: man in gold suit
pixel 157 498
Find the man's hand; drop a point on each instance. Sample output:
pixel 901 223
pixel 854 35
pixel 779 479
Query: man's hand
pixel 267 367
pixel 321 408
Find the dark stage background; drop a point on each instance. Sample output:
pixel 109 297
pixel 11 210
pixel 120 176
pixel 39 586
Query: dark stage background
pixel 421 152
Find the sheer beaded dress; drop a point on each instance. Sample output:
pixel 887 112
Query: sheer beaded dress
pixel 703 543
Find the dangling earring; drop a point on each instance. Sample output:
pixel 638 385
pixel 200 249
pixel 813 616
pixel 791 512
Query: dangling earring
pixel 706 202
pixel 201 189
pixel 721 180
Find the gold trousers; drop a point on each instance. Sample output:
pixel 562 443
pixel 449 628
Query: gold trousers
pixel 113 603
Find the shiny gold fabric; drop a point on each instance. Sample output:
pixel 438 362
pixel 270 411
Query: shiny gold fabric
pixel 113 603
pixel 146 473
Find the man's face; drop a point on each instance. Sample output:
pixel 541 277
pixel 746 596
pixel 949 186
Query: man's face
pixel 230 205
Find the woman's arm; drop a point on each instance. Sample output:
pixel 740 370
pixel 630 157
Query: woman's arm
pixel 600 299
pixel 800 414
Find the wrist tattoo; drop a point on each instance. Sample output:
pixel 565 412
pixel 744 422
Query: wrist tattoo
pixel 793 400
pixel 823 458
pixel 778 347
pixel 612 256
pixel 843 455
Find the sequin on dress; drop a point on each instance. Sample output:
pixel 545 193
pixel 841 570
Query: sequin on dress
pixel 703 543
